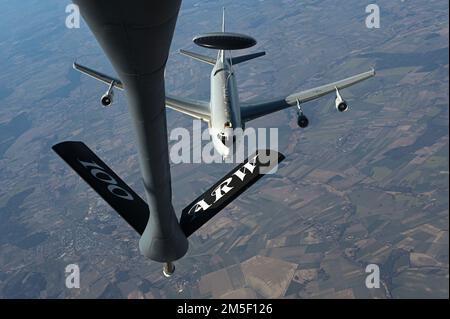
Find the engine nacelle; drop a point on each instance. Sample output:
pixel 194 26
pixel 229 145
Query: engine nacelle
pixel 341 104
pixel 302 121
pixel 108 98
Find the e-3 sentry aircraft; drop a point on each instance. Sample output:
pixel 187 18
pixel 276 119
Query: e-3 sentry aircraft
pixel 224 111
pixel 136 36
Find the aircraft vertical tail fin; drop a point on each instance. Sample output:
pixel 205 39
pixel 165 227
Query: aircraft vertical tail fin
pixel 223 19
pixel 221 55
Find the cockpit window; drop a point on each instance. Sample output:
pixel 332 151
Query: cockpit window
pixel 222 137
pixel 219 70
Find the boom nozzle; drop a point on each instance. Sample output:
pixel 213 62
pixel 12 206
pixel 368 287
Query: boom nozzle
pixel 168 269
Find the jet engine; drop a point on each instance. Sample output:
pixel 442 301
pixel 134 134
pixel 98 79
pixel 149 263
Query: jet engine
pixel 108 98
pixel 302 121
pixel 341 104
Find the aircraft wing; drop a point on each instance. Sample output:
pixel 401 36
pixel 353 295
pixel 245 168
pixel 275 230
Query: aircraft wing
pixel 194 108
pixel 250 111
pixel 98 75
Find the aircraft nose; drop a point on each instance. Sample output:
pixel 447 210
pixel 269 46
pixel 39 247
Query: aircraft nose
pixel 225 152
pixel 220 146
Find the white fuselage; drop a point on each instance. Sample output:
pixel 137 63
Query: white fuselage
pixel 225 108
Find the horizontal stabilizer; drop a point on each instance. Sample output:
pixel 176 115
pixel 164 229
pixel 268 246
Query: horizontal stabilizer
pixel 243 58
pixel 98 76
pixel 105 182
pixel 205 207
pixel 199 57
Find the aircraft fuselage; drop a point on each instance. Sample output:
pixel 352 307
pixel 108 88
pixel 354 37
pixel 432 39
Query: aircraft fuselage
pixel 224 104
